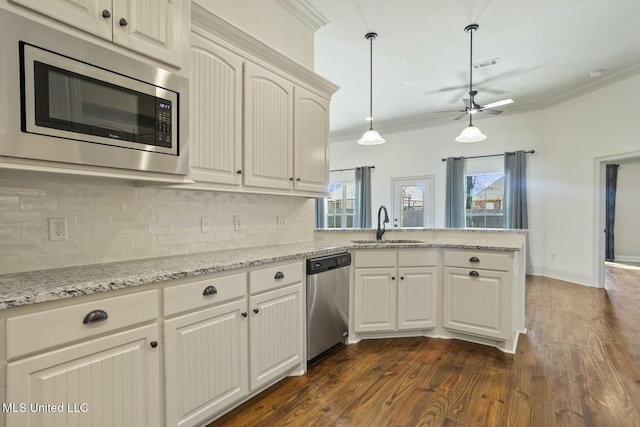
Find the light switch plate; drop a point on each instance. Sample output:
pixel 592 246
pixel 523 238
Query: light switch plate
pixel 238 223
pixel 283 224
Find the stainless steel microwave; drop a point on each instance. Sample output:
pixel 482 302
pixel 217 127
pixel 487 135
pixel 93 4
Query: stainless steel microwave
pixel 68 100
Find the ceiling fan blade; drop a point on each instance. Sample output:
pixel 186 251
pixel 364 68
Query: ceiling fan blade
pixel 451 111
pixel 490 111
pixel 460 116
pixel 499 103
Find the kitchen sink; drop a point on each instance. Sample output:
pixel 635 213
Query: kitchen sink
pixel 384 242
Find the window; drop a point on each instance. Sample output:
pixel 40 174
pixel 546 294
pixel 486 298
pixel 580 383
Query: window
pixel 341 205
pixel 484 195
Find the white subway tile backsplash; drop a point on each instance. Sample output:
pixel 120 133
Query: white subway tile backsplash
pixel 115 222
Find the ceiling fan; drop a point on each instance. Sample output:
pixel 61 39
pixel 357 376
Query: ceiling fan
pixel 471 107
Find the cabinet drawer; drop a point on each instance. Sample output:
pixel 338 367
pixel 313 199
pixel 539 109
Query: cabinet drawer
pixel 38 331
pixel 203 293
pixel 375 258
pixel 418 258
pixel 274 277
pixel 476 259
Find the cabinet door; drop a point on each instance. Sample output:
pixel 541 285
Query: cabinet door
pixel 375 299
pixel 268 129
pixel 311 142
pixel 417 297
pixel 216 113
pixel 476 304
pixel 85 15
pixel 276 333
pixel 206 362
pixel 110 381
pixel 153 28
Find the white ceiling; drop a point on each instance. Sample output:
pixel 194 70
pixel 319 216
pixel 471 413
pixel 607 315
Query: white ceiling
pixel 546 48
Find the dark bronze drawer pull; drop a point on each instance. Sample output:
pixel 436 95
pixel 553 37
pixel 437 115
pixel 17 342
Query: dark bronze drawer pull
pixel 210 290
pixel 244 314
pixel 106 14
pixel 95 316
pixel 279 275
pixel 474 259
pixel 256 311
pixel 474 273
pixel 154 344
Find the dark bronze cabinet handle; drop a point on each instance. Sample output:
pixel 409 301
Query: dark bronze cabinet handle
pixel 95 316
pixel 239 172
pixel 256 311
pixel 123 22
pixel 474 259
pixel 106 14
pixel 210 290
pixel 244 314
pixel 474 273
pixel 298 179
pixel 154 344
pixel 393 278
pixel 291 179
pixel 279 275
pixel 401 277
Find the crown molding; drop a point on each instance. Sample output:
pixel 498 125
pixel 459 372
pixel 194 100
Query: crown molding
pixel 305 13
pixel 220 31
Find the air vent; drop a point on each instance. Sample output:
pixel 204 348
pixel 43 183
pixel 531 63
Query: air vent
pixel 485 64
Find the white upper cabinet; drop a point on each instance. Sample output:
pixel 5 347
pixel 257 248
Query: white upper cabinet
pixel 311 142
pixel 268 129
pixel 216 113
pixel 153 28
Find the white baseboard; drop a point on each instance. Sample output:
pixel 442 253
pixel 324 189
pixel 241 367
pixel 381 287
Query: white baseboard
pixel 568 276
pixel 627 258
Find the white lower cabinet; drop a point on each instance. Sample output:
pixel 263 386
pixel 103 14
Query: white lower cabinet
pixel 399 293
pixel 206 356
pixel 276 333
pixel 477 293
pixel 108 381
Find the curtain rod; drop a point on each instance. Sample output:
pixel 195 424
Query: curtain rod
pixel 351 169
pixel 489 155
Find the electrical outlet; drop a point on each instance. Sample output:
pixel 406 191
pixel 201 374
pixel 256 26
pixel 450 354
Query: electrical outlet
pixel 57 228
pixel 238 223
pixel 282 222
pixel 205 224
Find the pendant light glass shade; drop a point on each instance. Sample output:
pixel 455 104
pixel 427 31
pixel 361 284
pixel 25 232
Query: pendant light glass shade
pixel 471 134
pixel 371 137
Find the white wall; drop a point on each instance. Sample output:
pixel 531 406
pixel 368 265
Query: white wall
pixel 270 23
pixel 562 174
pixel 627 225
pixel 603 123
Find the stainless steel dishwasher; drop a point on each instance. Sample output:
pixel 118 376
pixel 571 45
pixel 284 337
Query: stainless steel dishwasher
pixel 327 302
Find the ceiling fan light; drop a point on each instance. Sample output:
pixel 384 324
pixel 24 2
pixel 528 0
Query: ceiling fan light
pixel 471 134
pixel 371 137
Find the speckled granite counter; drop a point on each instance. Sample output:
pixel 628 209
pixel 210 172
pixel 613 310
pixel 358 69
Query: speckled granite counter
pixel 49 285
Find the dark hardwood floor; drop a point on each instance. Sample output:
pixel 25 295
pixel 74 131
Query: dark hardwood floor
pixel 577 366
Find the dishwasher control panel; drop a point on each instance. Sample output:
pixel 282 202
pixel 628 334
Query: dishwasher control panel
pixel 329 262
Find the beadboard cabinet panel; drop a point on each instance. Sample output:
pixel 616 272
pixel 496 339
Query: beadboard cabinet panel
pixel 268 129
pixel 216 113
pixel 311 142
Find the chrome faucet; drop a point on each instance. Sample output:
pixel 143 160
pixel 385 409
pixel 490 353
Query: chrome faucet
pixel 381 231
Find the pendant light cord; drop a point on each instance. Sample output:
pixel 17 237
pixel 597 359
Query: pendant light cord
pixel 471 31
pixel 371 37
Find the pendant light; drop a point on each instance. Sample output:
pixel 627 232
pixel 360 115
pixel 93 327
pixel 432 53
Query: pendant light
pixel 471 133
pixel 371 137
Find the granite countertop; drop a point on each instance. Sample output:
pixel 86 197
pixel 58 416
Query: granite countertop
pixel 48 285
